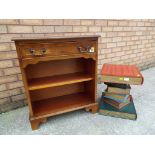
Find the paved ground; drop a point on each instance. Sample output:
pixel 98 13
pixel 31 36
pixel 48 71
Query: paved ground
pixel 81 122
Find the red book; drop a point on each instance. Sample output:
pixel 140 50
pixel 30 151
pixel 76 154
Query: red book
pixel 127 74
pixel 115 103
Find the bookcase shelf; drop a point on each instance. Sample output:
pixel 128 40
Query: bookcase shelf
pixel 59 75
pixel 58 80
pixel 59 105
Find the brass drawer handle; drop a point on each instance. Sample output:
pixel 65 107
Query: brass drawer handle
pixel 88 49
pixel 32 51
pixel 82 49
pixel 42 51
pixel 37 53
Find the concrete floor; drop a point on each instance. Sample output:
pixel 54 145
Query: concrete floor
pixel 81 122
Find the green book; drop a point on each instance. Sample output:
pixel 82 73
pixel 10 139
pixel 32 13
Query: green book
pixel 127 112
pixel 122 98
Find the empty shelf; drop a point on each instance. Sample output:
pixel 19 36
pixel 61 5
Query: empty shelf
pixel 59 105
pixel 59 80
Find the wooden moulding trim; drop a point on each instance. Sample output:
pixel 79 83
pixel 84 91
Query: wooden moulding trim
pixel 61 112
pixel 56 37
pixel 28 61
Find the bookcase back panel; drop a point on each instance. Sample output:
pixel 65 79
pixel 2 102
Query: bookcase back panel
pixel 57 67
pixel 89 66
pixel 56 91
pixel 89 89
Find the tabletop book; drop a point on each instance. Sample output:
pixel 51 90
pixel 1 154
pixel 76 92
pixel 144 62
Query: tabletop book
pixel 124 74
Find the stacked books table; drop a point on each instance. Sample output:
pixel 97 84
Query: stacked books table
pixel 116 100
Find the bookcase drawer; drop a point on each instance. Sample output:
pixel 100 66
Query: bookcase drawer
pixel 31 50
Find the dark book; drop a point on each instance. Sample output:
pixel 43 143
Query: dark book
pixel 115 104
pixel 127 112
pixel 122 98
pixel 118 85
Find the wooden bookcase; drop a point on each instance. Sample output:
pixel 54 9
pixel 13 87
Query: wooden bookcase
pixel 59 75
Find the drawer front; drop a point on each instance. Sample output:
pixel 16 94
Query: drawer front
pixel 31 50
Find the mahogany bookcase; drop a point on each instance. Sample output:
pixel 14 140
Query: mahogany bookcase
pixel 59 75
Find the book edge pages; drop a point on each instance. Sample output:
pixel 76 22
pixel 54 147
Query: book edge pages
pixel 116 79
pixel 118 114
pixel 120 106
pixel 117 99
pixel 118 90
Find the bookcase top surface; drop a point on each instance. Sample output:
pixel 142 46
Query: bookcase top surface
pixel 55 37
